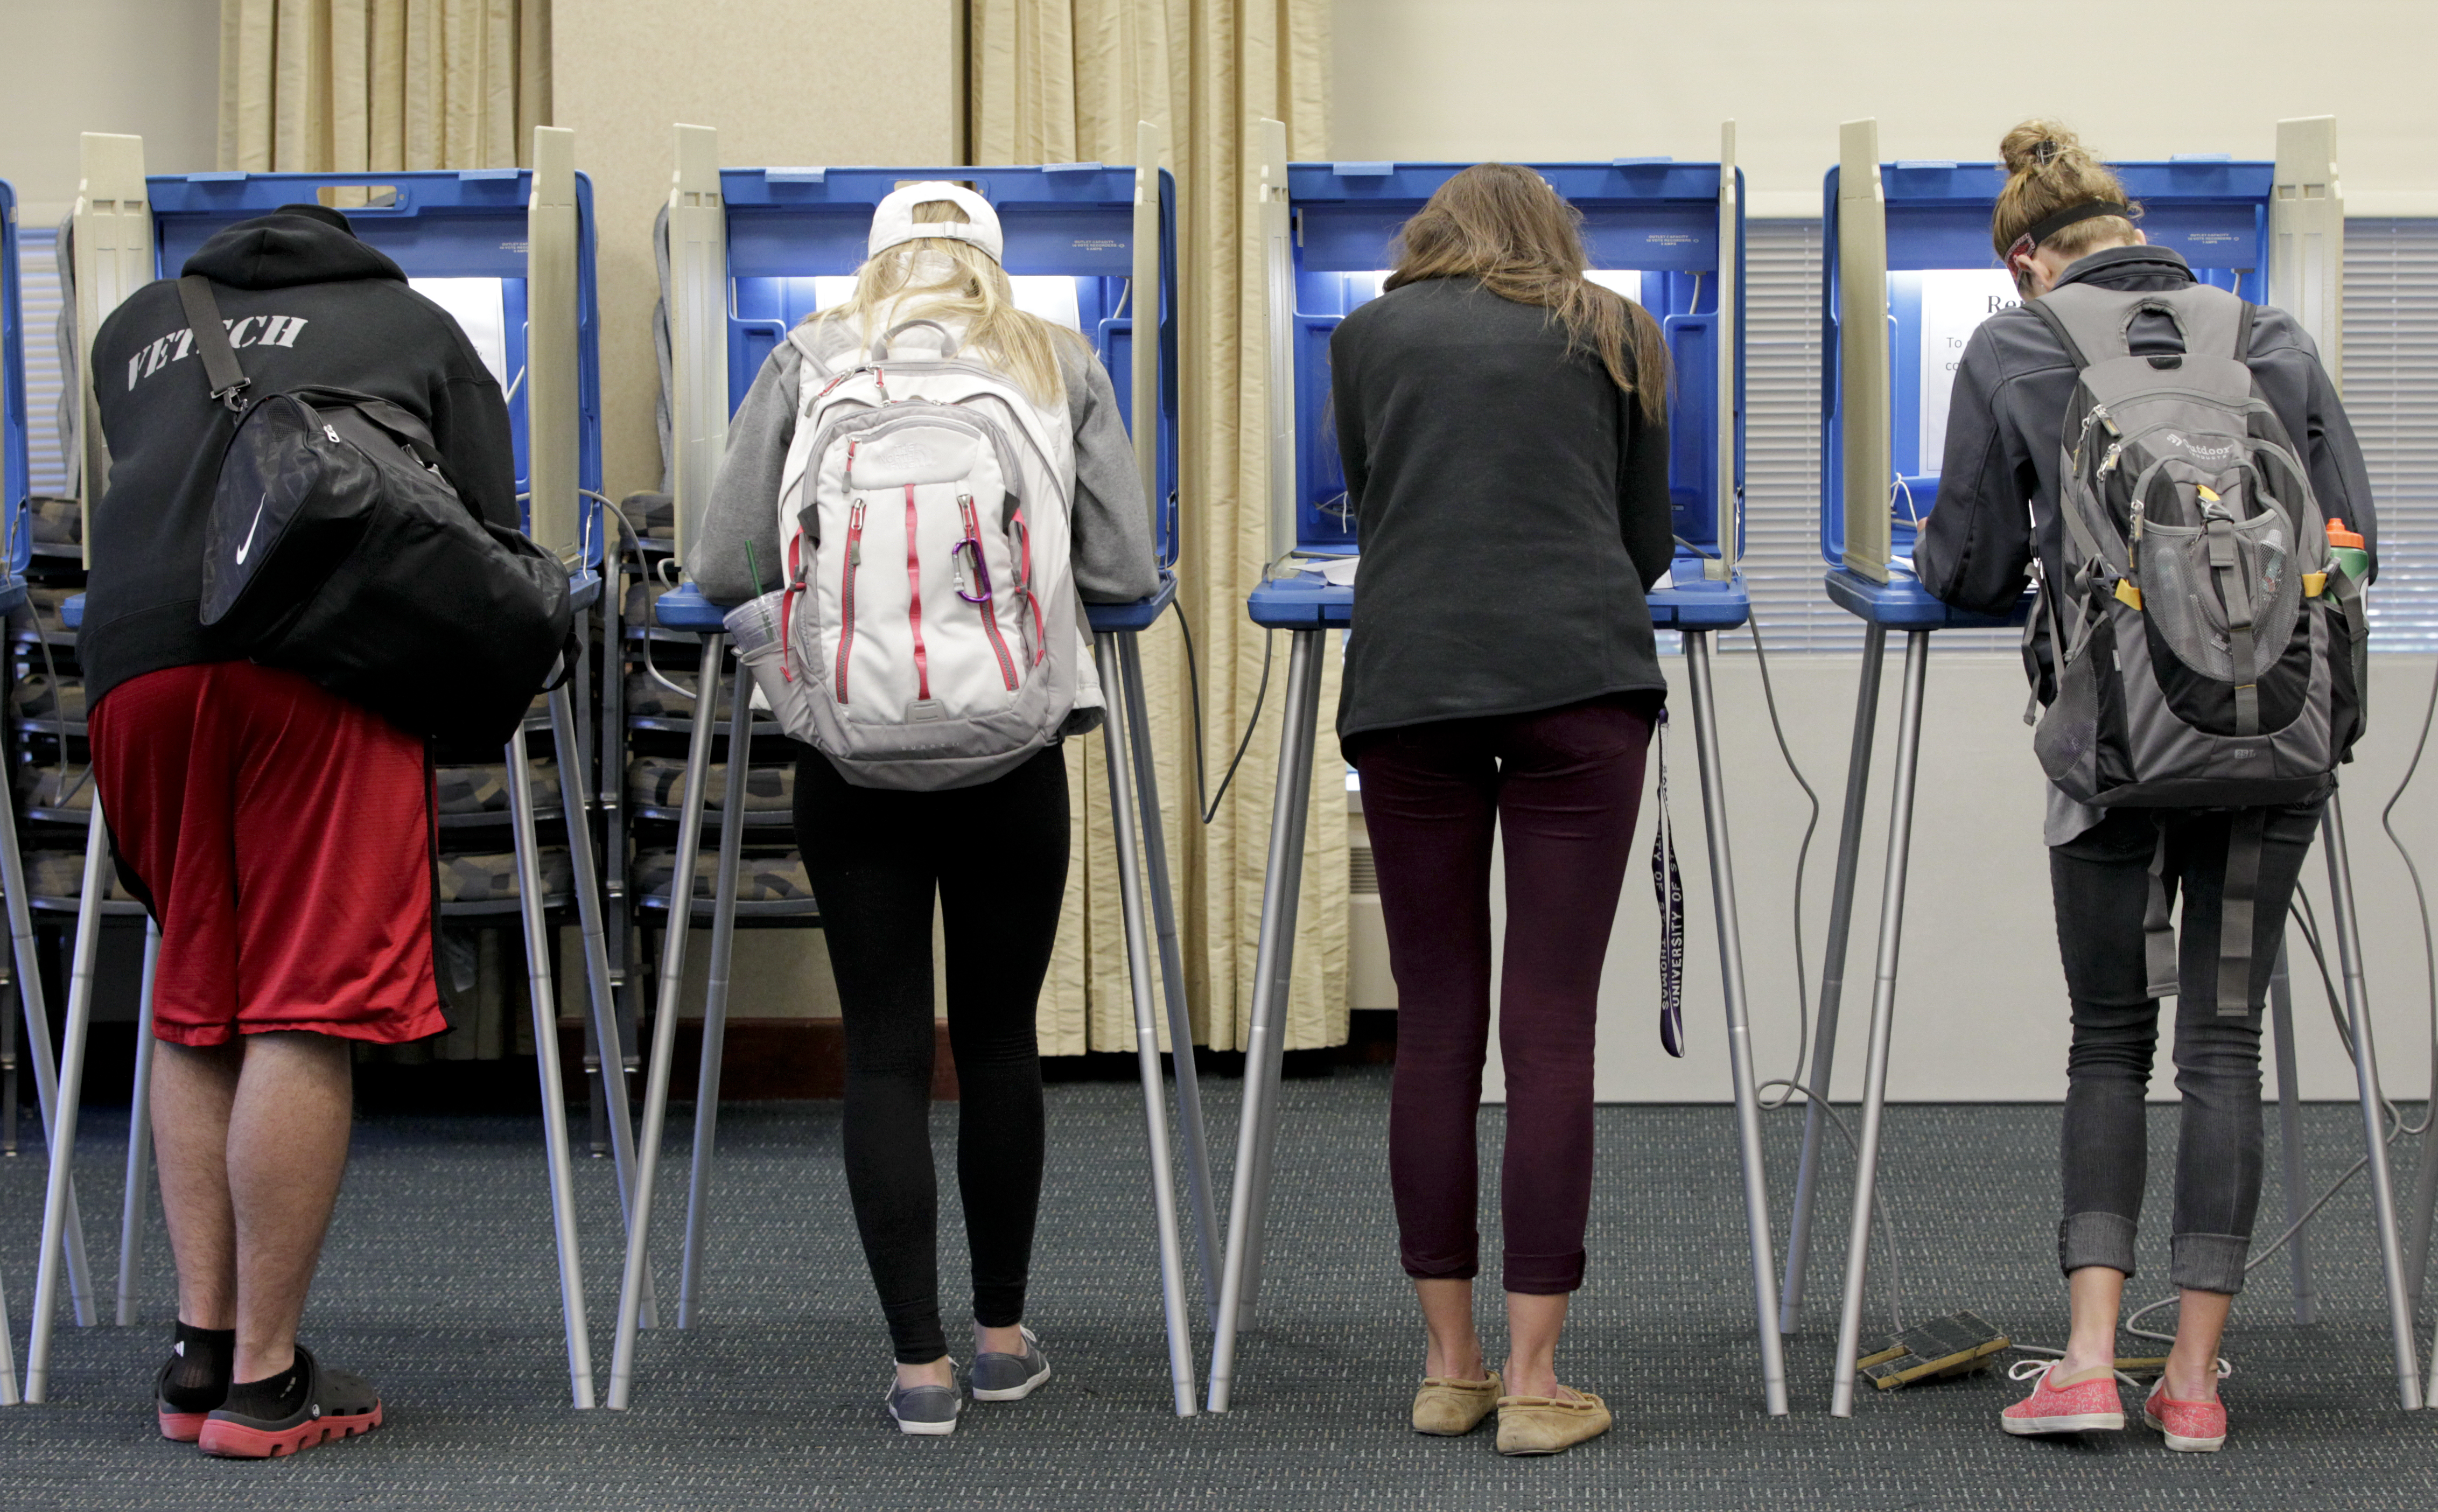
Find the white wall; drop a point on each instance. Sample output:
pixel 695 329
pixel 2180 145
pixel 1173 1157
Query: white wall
pixel 1576 80
pixel 143 67
pixel 1979 1007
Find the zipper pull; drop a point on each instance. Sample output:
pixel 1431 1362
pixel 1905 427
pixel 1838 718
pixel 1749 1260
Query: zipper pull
pixel 331 433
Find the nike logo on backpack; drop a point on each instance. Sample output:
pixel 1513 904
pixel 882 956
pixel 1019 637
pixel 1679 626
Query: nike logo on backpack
pixel 247 544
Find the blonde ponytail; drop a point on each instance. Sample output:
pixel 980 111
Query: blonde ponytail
pixel 970 289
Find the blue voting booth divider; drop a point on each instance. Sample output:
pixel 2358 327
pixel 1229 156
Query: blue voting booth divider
pixel 753 252
pixel 510 253
pixel 14 463
pixel 466 225
pixel 1907 246
pixel 1669 233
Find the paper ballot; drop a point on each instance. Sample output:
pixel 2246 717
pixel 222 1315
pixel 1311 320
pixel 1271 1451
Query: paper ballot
pixel 479 312
pixel 1953 304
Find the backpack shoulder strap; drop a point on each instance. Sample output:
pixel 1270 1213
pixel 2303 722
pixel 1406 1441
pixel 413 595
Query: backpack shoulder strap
pixel 2245 832
pixel 2089 320
pixel 220 367
pixel 2057 325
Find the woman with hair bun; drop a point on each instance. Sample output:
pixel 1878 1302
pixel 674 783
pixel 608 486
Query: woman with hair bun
pixel 2064 220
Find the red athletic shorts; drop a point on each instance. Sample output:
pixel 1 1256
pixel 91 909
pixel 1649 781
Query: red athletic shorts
pixel 283 839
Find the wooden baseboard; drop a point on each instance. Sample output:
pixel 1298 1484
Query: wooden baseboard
pixel 768 1061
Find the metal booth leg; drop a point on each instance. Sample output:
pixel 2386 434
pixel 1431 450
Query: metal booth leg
pixel 1832 975
pixel 1257 1123
pixel 1884 1003
pixel 1195 1143
pixel 57 1214
pixel 138 1199
pixel 2289 1137
pixel 533 906
pixel 8 1358
pixel 609 1091
pixel 1138 970
pixel 38 1050
pixel 664 1025
pixel 1739 1057
pixel 714 1005
pixel 2382 1186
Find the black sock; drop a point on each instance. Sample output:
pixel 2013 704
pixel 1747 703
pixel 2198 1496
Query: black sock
pixel 273 1398
pixel 199 1364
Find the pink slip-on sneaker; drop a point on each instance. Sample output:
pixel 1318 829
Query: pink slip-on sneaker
pixel 2087 1406
pixel 2191 1427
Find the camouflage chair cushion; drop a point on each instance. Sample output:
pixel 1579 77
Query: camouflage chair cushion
pixel 60 874
pixel 659 782
pixel 55 786
pixel 55 522
pixel 492 877
pixel 762 876
pixel 647 697
pixel 41 610
pixel 653 514
pixel 485 789
pixel 35 698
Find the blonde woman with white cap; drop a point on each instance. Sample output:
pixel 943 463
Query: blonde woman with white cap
pixel 992 853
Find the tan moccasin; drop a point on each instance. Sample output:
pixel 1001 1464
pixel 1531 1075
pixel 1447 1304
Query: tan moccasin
pixel 1549 1424
pixel 1450 1409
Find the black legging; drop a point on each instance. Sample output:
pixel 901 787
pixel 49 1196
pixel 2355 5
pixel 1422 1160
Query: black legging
pixel 996 856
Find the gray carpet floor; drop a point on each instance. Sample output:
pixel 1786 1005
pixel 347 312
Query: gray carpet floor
pixel 439 1284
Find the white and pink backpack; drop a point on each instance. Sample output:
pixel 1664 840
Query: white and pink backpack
pixel 928 633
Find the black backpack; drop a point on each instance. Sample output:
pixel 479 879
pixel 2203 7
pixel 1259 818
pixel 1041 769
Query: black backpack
pixel 337 548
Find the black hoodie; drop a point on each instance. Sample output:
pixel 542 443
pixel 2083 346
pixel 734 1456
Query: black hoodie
pixel 305 303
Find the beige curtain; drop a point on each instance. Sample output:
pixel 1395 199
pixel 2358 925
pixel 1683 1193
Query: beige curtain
pixel 1066 81
pixel 341 87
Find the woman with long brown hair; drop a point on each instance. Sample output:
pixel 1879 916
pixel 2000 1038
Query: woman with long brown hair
pixel 1502 420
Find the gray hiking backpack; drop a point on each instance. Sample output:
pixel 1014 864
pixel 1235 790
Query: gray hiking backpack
pixel 2208 652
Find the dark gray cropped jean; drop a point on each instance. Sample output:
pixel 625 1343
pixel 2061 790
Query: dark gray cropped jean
pixel 2101 881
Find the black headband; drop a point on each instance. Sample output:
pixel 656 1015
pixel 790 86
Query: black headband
pixel 2090 210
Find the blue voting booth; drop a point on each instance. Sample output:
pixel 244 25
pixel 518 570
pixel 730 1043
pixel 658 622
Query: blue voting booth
pixel 509 254
pixel 460 238
pixel 1907 252
pixel 1667 234
pixel 16 542
pixel 751 253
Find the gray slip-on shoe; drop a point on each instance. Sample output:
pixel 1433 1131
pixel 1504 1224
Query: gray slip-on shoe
pixel 930 1411
pixel 1010 1378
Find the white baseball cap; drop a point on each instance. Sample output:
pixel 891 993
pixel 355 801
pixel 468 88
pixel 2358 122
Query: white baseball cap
pixel 892 218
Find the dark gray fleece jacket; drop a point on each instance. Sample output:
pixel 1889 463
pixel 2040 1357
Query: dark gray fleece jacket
pixel 1111 549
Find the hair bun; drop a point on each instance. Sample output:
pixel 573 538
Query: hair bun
pixel 2036 145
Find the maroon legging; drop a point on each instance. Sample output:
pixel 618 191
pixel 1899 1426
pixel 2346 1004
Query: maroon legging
pixel 1562 788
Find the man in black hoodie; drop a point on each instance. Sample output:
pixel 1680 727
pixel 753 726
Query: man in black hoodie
pixel 280 836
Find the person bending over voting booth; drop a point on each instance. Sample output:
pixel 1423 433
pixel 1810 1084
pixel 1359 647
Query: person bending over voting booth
pixel 279 833
pixel 1504 417
pixel 2196 648
pixel 920 484
pixel 1502 421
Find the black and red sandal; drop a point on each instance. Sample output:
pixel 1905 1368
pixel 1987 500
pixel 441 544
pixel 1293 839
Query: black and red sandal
pixel 183 1409
pixel 338 1404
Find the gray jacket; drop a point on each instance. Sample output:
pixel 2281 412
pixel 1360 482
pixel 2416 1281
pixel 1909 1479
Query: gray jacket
pixel 2006 417
pixel 1112 550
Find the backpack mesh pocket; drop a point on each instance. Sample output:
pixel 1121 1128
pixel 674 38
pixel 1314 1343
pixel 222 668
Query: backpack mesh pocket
pixel 2180 595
